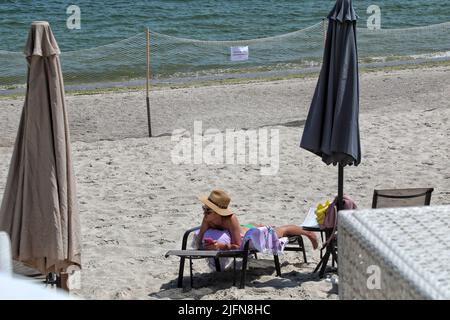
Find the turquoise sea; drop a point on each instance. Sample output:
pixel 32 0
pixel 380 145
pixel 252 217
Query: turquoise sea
pixel 106 22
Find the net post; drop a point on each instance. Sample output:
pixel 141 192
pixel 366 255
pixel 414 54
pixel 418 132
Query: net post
pixel 324 26
pixel 147 31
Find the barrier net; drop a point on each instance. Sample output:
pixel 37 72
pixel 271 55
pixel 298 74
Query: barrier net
pixel 187 62
pixel 179 60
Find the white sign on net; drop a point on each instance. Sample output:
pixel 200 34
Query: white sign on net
pixel 239 53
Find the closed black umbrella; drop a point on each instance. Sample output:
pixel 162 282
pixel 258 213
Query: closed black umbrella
pixel 332 127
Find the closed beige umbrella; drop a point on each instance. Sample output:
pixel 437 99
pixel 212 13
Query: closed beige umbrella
pixel 39 210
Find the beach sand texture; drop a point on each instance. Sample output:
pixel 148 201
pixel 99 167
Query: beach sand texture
pixel 135 203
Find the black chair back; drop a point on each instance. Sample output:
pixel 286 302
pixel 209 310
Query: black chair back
pixel 392 198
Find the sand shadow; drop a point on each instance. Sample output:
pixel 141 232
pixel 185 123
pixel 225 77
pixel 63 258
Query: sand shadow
pixel 260 274
pixel 290 124
pixel 293 124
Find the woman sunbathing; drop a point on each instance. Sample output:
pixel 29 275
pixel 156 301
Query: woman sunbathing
pixel 217 215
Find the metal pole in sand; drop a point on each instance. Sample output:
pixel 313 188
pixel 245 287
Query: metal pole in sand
pixel 148 84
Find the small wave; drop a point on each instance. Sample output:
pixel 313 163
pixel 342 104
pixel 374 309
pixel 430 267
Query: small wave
pixel 435 55
pixel 399 58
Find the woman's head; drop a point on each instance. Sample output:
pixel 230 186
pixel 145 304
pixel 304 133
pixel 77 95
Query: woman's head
pixel 207 210
pixel 218 202
pixel 214 219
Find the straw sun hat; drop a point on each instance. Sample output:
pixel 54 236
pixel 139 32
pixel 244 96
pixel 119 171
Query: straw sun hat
pixel 218 201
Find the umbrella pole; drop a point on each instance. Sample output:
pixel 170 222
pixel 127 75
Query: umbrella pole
pixel 149 122
pixel 340 204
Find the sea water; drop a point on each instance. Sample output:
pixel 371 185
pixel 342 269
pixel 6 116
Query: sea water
pixel 105 22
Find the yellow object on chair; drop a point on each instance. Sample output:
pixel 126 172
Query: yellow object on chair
pixel 321 211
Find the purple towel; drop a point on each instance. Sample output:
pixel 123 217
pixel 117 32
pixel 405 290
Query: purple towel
pixel 265 240
pixel 262 239
pixel 222 236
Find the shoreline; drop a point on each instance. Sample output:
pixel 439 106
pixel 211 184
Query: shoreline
pixel 228 78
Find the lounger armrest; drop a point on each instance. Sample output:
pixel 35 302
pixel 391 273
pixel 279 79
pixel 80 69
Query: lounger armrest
pixel 186 236
pixel 193 253
pixel 208 253
pixel 232 253
pixel 247 245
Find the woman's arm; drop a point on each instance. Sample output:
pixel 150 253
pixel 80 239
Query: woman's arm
pixel 204 226
pixel 234 229
pixel 220 246
pixel 235 232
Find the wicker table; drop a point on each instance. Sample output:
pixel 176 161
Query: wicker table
pixel 401 253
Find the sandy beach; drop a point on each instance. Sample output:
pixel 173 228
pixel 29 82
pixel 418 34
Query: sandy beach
pixel 135 203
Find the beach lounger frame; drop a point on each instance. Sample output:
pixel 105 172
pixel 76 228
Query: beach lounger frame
pixel 216 255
